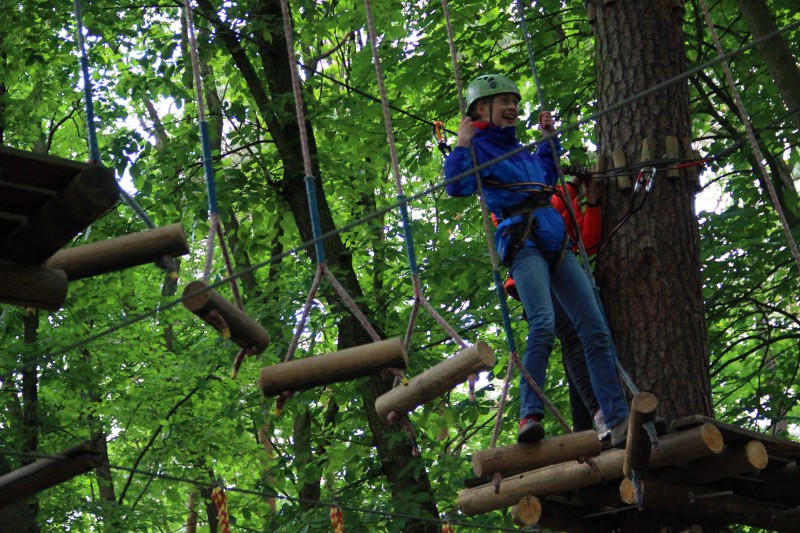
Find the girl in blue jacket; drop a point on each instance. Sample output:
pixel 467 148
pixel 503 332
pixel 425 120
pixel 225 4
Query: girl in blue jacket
pixel 532 242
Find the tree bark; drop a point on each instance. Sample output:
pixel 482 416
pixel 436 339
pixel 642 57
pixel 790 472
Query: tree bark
pixel 649 274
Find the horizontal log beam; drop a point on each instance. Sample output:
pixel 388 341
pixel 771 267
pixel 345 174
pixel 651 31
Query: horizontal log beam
pixel 734 460
pixel 437 380
pixel 714 505
pixel 344 365
pixel 121 252
pixel 90 194
pixel 32 286
pixel 45 473
pixel 524 457
pixel 219 313
pixel 560 478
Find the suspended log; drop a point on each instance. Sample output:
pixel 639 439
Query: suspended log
pixel 714 505
pixel 45 473
pixel 527 512
pixel 560 478
pixel 90 194
pixel 436 380
pixel 734 460
pixel 637 449
pixel 121 252
pixel 32 286
pixel 523 457
pixel 559 516
pixel 344 365
pixel 215 310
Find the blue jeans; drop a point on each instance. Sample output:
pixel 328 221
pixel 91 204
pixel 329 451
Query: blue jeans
pixel 571 287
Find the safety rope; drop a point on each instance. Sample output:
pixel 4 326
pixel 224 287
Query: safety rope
pixel 221 500
pixel 419 298
pixel 316 227
pixel 584 255
pixel 166 263
pixel 787 230
pixel 215 226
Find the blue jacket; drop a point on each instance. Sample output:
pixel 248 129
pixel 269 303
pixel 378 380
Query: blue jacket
pixel 522 168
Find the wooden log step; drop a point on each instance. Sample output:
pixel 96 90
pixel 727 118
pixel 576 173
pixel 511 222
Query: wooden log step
pixel 714 505
pixel 436 380
pixel 121 252
pixel 560 478
pixel 637 448
pixel 218 312
pixel 45 473
pixel 90 194
pixel 527 512
pixel 778 483
pixel 32 286
pixel 344 365
pixel 524 457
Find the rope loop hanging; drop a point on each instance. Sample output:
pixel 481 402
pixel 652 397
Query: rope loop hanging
pixel 419 296
pixel 166 263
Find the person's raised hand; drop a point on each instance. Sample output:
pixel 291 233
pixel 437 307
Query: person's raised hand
pixel 546 122
pixel 466 131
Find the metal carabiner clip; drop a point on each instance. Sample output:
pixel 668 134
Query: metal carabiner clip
pixel 645 178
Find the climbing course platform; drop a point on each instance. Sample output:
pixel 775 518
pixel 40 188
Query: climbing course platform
pixel 704 469
pixel 24 482
pixel 45 202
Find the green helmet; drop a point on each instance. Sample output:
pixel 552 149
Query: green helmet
pixel 488 85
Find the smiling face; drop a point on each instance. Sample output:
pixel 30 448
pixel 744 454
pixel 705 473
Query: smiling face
pixel 501 109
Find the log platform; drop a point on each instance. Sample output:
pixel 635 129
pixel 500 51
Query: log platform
pixel 704 469
pixel 45 202
pixel 24 482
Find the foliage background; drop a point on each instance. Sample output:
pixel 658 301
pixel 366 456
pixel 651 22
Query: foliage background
pixel 160 387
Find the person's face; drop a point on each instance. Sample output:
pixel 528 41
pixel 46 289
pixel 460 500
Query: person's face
pixel 501 109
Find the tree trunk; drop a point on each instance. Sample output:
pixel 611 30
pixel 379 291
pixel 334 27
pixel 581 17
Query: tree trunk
pixel 776 54
pixel 284 132
pixel 649 274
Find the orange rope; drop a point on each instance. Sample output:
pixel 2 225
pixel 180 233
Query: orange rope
pixel 222 509
pixel 337 519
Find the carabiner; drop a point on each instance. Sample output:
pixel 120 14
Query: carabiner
pixel 646 181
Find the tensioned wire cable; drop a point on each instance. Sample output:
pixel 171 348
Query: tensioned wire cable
pixel 264 495
pixel 383 211
pixel 787 230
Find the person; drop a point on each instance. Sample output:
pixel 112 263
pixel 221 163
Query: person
pixel 584 408
pixel 532 242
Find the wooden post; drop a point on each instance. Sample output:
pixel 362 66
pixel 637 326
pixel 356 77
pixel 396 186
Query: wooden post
pixel 527 512
pixel 121 252
pixel 32 286
pixel 637 449
pixel 436 380
pixel 648 150
pixel 714 505
pixel 734 460
pixel 523 457
pixel 618 157
pixel 24 482
pixel 557 516
pixel 205 303
pixel 351 363
pixel 556 479
pixel 90 194
pixel 671 149
pixel 693 173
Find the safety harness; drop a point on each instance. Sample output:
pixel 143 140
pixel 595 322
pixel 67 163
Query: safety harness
pixel 526 228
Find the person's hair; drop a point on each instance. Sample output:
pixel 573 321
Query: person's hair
pixel 473 111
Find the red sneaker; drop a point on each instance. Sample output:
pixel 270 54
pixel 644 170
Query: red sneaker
pixel 530 430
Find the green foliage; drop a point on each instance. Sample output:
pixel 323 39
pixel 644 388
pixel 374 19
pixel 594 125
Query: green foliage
pixel 160 386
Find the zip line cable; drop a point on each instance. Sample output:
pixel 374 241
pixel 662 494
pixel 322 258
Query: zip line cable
pixel 383 211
